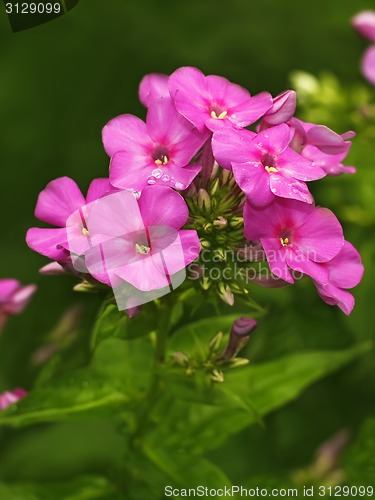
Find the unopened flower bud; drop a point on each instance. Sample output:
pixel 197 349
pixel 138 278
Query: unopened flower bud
pixel 216 341
pixel 85 286
pixel 226 294
pixel 204 200
pixel 205 244
pixel 236 222
pixel 180 358
pixel 239 336
pixel 238 362
pixel 217 376
pixel 214 187
pixel 220 222
pixel 132 312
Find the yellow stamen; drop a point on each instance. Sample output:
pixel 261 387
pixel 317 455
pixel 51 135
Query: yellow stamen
pixel 271 169
pixel 142 249
pixel 222 115
pixel 284 241
pixel 165 159
pixel 85 232
pixel 158 162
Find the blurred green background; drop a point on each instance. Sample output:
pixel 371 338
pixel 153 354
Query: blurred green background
pixel 62 81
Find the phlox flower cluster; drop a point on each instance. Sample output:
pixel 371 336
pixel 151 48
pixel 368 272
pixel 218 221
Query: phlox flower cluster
pixel 135 227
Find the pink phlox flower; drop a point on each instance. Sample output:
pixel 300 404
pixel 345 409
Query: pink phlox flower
pixel 13 298
pixel 345 271
pixel 214 102
pixel 56 203
pixel 11 397
pixel 321 145
pixel 156 152
pixel 295 236
pixel 140 240
pixel 263 164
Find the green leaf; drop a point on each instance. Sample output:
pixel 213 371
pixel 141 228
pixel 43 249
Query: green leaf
pixel 84 488
pixel 245 395
pixel 359 461
pixel 118 374
pixel 113 323
pixel 187 471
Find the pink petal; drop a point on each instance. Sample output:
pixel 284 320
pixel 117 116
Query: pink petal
pixel 302 264
pixel 274 140
pixel 321 237
pixel 188 89
pixel 368 64
pixel 125 133
pixel 174 176
pixel 161 206
pixel 131 170
pixel 184 151
pixel 245 114
pixel 289 188
pixel 225 93
pixel 176 254
pixel 283 108
pixel 346 269
pixel 144 275
pixel 254 182
pixel 99 188
pixel 165 125
pixel 295 165
pixel 20 299
pixel 7 288
pixel 276 258
pixel 153 86
pixel 364 23
pixel 335 296
pixel 327 140
pixel 231 145
pixel 48 242
pixel 58 200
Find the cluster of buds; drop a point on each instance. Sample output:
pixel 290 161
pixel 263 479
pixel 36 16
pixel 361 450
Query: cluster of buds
pixel 218 357
pixel 193 177
pixel 364 23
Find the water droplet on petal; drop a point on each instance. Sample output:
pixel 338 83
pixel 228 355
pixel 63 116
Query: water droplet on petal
pixel 165 178
pixel 294 190
pixel 179 185
pixel 157 172
pixel 151 180
pixel 136 194
pixel 273 190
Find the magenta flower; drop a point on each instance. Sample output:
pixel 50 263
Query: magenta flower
pixel 155 152
pixel 9 398
pixel 152 87
pixel 364 23
pixel 140 240
pixel 295 236
pixel 344 271
pixel 321 145
pixel 13 298
pixel 368 64
pixel 56 203
pixel 263 164
pixel 213 101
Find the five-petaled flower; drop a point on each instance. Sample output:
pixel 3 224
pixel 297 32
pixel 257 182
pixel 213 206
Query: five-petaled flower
pixel 156 152
pixel 263 164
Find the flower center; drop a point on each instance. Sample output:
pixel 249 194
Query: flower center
pixel 160 155
pixel 142 249
pixel 269 163
pixel 217 112
pixel 284 241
